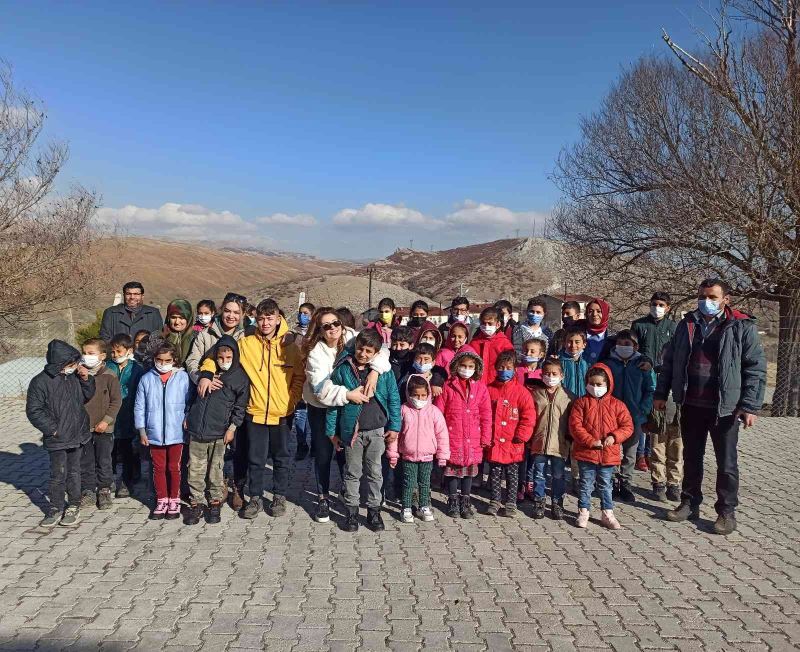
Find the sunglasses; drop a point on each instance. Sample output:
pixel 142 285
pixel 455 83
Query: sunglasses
pixel 330 325
pixel 232 296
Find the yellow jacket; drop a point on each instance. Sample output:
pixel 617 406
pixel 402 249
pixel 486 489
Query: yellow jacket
pixel 276 375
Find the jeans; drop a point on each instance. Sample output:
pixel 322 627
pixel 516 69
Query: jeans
pixel 323 450
pixel 496 473
pixel 125 453
pixel 643 449
pixel 363 456
pixel 417 474
pixel 97 471
pixel 629 450
pixel 301 426
pixel 603 475
pixel 167 470
pixel 206 459
pixel 268 442
pixel 65 475
pixel 557 466
pixel 696 425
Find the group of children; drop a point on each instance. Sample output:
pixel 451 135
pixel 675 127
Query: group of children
pixel 515 400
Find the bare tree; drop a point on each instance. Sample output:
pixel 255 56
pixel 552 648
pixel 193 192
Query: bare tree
pixel 691 167
pixel 46 239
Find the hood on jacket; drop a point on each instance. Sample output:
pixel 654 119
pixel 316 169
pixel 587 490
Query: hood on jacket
pixel 225 340
pixel 283 328
pixel 429 327
pixel 427 383
pixel 467 354
pixel 59 355
pixel 450 343
pixel 605 368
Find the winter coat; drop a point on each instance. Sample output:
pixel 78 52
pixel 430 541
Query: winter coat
pixel 593 419
pixel 422 437
pixel 107 399
pixel 605 347
pixel 276 375
pixel 118 320
pixel 342 420
pixel 742 364
pixel 633 386
pixel 551 435
pixel 128 377
pixel 55 401
pixel 224 409
pixel 385 331
pixel 574 373
pixel 448 351
pixel 653 336
pixel 428 327
pixel 160 407
pixel 525 332
pixel 488 348
pixel 203 342
pixel 514 418
pixel 528 377
pixel 467 410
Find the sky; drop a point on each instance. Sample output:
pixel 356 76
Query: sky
pixel 342 130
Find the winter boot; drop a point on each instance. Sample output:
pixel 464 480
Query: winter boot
pixel 538 508
pixel 493 509
pixel 683 512
pixel 583 518
pixel 193 513
pixel 467 510
pixel 252 509
pixel 557 509
pixel 660 493
pixel 609 520
pixel 213 515
pixel 453 506
pixel 374 520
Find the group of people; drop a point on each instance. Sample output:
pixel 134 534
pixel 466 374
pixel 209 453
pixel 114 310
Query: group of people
pixel 396 404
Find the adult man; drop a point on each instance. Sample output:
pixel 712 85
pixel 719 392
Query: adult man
pixel 459 312
pixel 716 369
pixel 130 316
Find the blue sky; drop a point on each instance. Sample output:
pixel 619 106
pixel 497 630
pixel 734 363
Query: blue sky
pixel 337 129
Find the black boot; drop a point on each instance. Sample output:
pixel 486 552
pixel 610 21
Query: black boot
pixel 193 514
pixel 683 512
pixel 538 507
pixel 452 506
pixel 467 510
pixel 374 520
pixel 673 493
pixel 725 524
pixel 557 509
pixel 350 523
pixel 625 493
pixel 213 515
pixel 660 493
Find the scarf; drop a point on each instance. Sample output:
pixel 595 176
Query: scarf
pixel 605 309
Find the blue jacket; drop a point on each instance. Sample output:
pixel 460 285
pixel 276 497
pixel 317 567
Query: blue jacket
pixel 574 373
pixel 161 407
pixel 633 386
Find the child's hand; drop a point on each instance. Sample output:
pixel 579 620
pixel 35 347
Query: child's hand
pixel 228 438
pixel 392 464
pixel 186 424
pixel 357 396
pixel 442 462
pixel 390 436
pixel 83 372
pixel 597 444
pixel 143 440
pixel 371 383
pixel 436 391
pixel 337 443
pixel 609 440
pixel 101 427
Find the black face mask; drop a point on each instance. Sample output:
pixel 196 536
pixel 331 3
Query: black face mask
pixel 567 321
pixel 401 355
pixel 416 322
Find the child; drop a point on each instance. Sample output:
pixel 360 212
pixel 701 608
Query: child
pixel 549 445
pixel 570 319
pixel 573 362
pixel 422 437
pixel 635 388
pixel 304 313
pixel 422 365
pixel 429 334
pixel 457 337
pixel 140 346
pixel 211 423
pixel 418 317
pixel 386 320
pixel 128 372
pixel 532 326
pixel 206 309
pixel 158 415
pixel 365 429
pixel 598 423
pixel 467 411
pixel 514 415
pixel 97 469
pixel 490 342
pixel 55 407
pixel 506 313
pixel 401 354
pixel 529 371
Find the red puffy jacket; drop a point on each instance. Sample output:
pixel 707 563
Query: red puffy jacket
pixel 592 419
pixel 468 413
pixel 489 348
pixel 514 414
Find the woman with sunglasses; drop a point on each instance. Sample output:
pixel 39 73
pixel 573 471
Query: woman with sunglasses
pixel 326 339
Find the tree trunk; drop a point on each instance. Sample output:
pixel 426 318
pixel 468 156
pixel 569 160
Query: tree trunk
pixel 786 400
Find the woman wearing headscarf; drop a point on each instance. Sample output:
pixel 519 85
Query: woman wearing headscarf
pixel 178 328
pixel 599 340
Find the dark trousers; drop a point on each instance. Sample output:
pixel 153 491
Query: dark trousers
pixel 240 457
pixel 323 450
pixel 97 471
pixel 65 475
pixel 696 425
pixel 453 485
pixel 124 453
pixel 392 485
pixel 268 442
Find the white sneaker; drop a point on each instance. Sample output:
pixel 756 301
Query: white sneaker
pixel 408 515
pixel 583 518
pixel 426 514
pixel 609 520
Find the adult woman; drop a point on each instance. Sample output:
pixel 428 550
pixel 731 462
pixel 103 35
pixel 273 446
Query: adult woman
pixel 326 339
pixel 178 329
pixel 599 340
pixel 228 322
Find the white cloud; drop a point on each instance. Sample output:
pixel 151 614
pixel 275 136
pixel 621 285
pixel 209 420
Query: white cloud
pixel 301 219
pixel 472 213
pixel 384 215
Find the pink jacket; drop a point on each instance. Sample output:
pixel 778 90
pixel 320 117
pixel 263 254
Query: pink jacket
pixel 523 374
pixel 422 436
pixel 446 355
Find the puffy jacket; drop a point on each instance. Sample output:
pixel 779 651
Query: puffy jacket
pixel 55 402
pixel 224 409
pixel 423 435
pixel 551 435
pixel 160 407
pixel 276 375
pixel 653 336
pixel 574 373
pixel 525 333
pixel 528 377
pixel 385 331
pixel 592 419
pixel 742 364
pixel 128 377
pixel 514 418
pixel 117 320
pixel 342 420
pixel 467 410
pixel 488 348
pixel 203 341
pixel 633 386
pixel 448 351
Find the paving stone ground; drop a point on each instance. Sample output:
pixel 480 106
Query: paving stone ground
pixel 121 582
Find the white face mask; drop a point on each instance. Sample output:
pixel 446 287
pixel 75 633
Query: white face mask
pixel 69 371
pixel 205 319
pixel 123 359
pixel 462 318
pixel 419 403
pixel 90 361
pixel 658 312
pixel 225 365
pixel 597 392
pixel 465 373
pixel 427 340
pixel 163 368
pixel 551 381
pixel 488 329
pixel 624 352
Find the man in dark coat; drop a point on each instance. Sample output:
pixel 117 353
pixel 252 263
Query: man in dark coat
pixel 130 316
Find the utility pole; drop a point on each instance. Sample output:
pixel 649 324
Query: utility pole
pixel 565 291
pixel 369 301
pixel 411 245
pixel 517 232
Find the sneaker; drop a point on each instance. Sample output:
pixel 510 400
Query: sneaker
pixel 301 453
pixel 72 517
pixel 192 514
pixel 583 518
pixel 213 515
pixel 252 509
pixel 350 523
pixel 426 513
pixel 660 493
pixel 641 463
pixel 88 499
pixel 173 509
pixel 725 524
pixel 278 507
pixel 467 510
pixel 625 493
pixel 453 510
pixel 683 512
pixel 104 500
pixel 538 508
pixel 673 493
pixel 162 504
pixel 493 509
pixel 51 519
pixel 609 521
pixel 510 510
pixel 323 513
pixel 557 509
pixel 237 500
pixel 123 491
pixel 374 520
pixel 407 516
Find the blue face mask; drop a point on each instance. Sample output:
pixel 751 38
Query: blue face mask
pixel 530 359
pixel 423 368
pixel 303 318
pixel 504 375
pixel 708 307
pixel 534 319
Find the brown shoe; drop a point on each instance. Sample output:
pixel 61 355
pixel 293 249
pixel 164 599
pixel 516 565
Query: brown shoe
pixel 237 500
